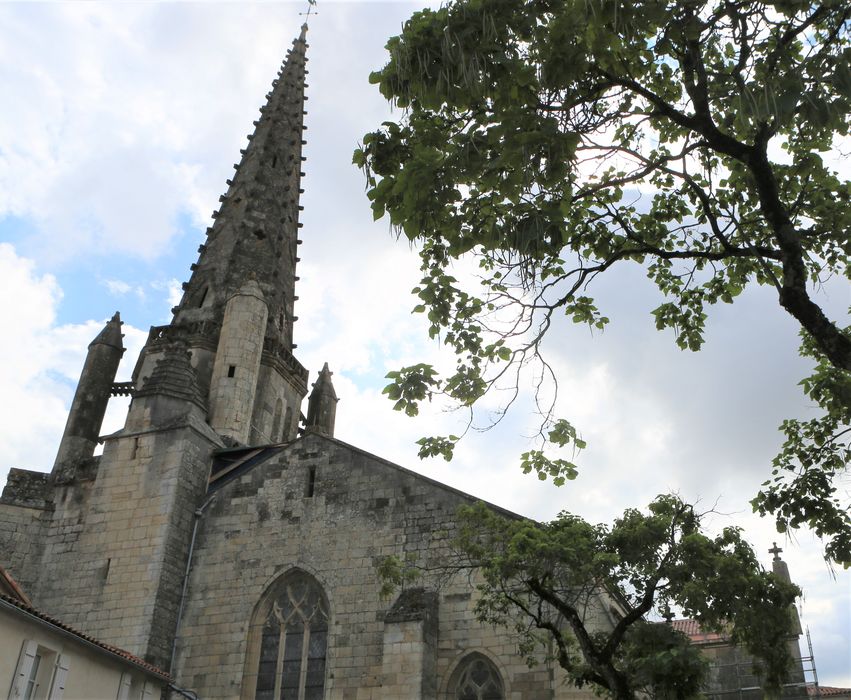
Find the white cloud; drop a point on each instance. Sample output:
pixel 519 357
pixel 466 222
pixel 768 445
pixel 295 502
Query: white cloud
pixel 117 287
pixel 40 363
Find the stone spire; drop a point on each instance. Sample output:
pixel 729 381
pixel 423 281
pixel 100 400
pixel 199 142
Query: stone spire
pixel 322 405
pixel 256 228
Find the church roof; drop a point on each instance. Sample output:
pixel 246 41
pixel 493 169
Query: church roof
pixel 236 462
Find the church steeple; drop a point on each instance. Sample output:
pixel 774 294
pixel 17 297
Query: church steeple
pixel 256 228
pixel 236 315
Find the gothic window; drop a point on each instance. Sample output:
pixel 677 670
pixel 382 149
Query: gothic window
pixel 293 641
pixel 476 678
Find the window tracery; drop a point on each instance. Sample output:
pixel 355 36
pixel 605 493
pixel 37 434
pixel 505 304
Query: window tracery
pixel 476 678
pixel 294 641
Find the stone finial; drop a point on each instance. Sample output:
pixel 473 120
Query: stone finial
pixel 322 405
pixel 111 333
pixel 88 408
pixel 775 550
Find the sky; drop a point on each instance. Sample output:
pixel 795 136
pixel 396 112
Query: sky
pixel 121 122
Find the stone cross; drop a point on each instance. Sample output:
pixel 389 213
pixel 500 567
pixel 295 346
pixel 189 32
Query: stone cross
pixel 775 550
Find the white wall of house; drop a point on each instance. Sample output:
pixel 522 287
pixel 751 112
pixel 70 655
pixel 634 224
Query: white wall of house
pixel 68 668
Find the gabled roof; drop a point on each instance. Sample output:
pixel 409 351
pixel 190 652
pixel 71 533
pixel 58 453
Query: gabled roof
pixel 27 610
pixel 249 458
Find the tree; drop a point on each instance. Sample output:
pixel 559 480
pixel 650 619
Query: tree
pixel 551 581
pixel 557 140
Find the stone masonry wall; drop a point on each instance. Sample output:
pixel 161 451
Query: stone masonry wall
pixel 266 522
pixel 39 522
pixel 119 579
pixel 21 542
pixel 273 385
pixel 237 365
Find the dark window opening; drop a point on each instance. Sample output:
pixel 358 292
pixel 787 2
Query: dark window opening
pixel 203 297
pixel 311 482
pixel 274 161
pixel 476 678
pixel 231 370
pixel 289 429
pixel 294 642
pixel 276 421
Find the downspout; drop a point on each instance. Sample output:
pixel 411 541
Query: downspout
pixel 198 513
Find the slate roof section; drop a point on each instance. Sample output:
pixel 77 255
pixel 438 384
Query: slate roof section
pixel 49 621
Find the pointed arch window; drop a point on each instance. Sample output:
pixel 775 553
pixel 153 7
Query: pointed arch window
pixel 476 678
pixel 293 640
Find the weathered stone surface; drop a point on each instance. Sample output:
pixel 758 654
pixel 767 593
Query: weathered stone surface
pixel 362 508
pixel 27 488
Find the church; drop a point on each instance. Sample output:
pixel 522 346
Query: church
pixel 224 536
pixel 225 543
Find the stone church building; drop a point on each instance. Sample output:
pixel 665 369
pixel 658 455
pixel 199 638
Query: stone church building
pixel 224 535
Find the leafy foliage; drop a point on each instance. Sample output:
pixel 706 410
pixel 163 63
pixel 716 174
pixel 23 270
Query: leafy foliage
pixel 555 140
pixel 814 457
pixel 587 590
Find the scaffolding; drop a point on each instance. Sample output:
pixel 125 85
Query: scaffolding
pixel 746 685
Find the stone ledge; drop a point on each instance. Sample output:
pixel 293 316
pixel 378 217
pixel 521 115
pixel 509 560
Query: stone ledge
pixel 28 489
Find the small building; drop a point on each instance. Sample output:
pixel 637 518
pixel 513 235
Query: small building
pixel 43 659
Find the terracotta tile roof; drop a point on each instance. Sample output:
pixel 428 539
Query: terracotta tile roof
pixel 697 635
pixel 115 651
pixel 10 587
pixel 826 691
